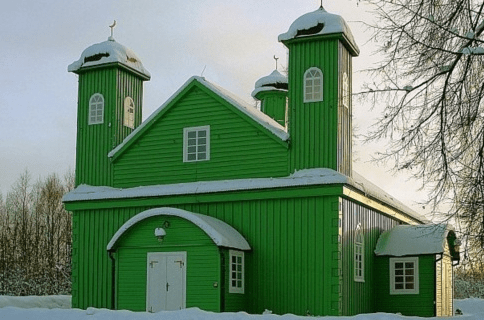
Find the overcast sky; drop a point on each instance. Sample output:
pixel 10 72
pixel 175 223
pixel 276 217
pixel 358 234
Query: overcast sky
pixel 231 42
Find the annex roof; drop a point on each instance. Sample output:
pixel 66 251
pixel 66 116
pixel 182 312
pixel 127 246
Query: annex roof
pixel 259 117
pixel 320 22
pixel 107 52
pixel 306 177
pixel 404 240
pixel 221 233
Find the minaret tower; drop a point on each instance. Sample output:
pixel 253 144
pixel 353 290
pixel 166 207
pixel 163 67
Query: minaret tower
pixel 321 47
pixel 109 107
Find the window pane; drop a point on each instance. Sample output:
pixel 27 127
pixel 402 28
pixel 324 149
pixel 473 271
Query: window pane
pixel 202 141
pixel 399 286
pixel 398 279
pixel 202 134
pixel 202 149
pixel 399 272
pixel 409 279
pixel 409 265
pixel 191 157
pixel 202 156
pixel 192 149
pixel 409 286
pixel 409 272
pixel 192 134
pixel 192 142
pixel 399 265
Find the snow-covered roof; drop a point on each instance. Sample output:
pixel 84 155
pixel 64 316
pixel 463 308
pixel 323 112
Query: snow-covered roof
pixel 221 233
pixel 306 177
pixel 107 52
pixel 405 240
pixel 267 122
pixel 274 81
pixel 307 26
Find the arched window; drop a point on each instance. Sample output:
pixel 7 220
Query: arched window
pixel 359 253
pixel 129 112
pixel 96 109
pixel 346 90
pixel 313 85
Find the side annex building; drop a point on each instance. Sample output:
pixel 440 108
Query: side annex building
pixel 212 203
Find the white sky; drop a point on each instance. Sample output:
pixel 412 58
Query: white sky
pixel 234 41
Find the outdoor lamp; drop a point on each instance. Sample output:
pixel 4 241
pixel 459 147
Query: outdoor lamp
pixel 160 234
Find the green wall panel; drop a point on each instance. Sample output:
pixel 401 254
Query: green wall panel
pixel 94 142
pixel 313 126
pixel 359 297
pixel 291 267
pixel 238 148
pixel 421 304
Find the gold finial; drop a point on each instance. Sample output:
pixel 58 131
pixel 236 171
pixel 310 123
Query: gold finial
pixel 111 38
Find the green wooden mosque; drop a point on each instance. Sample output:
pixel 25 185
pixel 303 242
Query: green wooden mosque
pixel 212 203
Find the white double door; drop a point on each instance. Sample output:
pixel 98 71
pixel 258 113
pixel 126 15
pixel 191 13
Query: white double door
pixel 166 281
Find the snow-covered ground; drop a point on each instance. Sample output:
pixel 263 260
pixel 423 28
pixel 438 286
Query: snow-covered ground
pixel 56 308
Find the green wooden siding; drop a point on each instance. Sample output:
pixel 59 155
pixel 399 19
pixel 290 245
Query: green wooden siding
pixel 345 138
pixel 202 266
pixel 291 268
pixel 359 297
pixel 94 142
pixel 238 147
pixel 422 304
pixel 313 126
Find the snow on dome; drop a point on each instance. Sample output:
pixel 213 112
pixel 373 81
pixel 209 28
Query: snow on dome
pixel 274 81
pixel 274 78
pixel 404 240
pixel 320 22
pixel 106 52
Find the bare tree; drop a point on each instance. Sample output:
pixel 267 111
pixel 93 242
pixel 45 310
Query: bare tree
pixel 35 238
pixel 431 82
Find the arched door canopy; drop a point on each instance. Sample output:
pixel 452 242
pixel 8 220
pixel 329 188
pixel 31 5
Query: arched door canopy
pixel 220 232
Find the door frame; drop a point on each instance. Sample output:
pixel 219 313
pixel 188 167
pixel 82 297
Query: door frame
pixel 184 275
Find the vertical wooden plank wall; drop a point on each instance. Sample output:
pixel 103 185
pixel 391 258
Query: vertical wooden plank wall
pixel 291 268
pixel 313 126
pixel 358 297
pixel 345 132
pixel 94 142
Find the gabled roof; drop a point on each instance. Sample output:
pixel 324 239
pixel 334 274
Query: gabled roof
pixel 259 118
pixel 306 177
pixel 408 240
pixel 221 233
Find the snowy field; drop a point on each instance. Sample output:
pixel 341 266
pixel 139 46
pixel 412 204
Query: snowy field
pixel 57 308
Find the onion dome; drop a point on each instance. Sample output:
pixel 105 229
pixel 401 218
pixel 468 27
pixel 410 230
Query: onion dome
pixel 321 22
pixel 109 52
pixel 273 82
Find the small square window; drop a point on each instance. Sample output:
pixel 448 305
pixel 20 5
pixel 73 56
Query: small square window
pixel 404 275
pixel 196 144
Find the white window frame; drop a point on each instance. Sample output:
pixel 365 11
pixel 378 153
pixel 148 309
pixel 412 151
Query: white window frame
pixel 346 90
pixel 393 282
pixel 129 116
pixel 236 275
pixel 359 256
pixel 310 88
pixel 96 109
pixel 188 144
